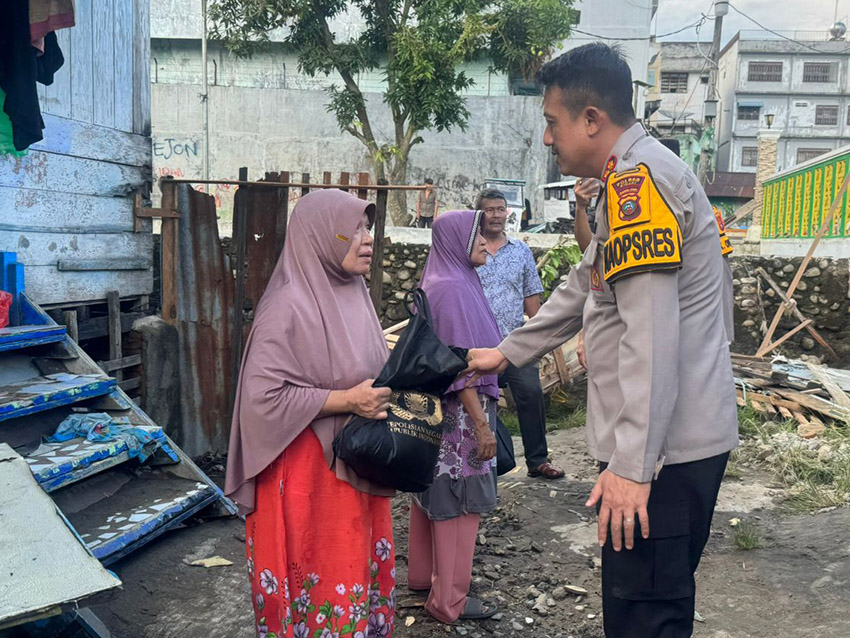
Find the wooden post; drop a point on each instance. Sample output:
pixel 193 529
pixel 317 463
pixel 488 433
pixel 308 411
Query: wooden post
pixel 283 214
pixel 362 180
pixel 785 337
pixel 71 325
pixel 326 177
pixel 793 307
pixel 376 276
pixel 345 180
pixel 305 179
pixel 240 225
pixel 113 303
pixel 168 253
pixel 825 224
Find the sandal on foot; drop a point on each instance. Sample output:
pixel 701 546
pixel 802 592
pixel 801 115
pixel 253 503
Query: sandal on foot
pixel 547 471
pixel 477 609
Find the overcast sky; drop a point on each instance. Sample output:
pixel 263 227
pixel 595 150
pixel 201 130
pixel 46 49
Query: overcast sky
pixel 780 15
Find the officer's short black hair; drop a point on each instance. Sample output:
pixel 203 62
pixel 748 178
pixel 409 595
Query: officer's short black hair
pixel 489 193
pixel 594 74
pixel 428 180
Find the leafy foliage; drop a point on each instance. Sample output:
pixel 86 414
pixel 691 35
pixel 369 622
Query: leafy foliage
pixel 421 46
pixel 554 262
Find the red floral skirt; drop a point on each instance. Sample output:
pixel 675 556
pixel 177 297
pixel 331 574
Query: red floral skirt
pixel 320 553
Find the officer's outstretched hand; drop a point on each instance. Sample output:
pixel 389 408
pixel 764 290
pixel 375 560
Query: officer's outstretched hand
pixel 483 361
pixel 622 501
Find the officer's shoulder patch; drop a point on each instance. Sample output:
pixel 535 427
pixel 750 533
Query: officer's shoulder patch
pixel 644 231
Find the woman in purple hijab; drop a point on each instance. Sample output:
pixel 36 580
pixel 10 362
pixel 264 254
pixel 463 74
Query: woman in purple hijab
pixel 444 519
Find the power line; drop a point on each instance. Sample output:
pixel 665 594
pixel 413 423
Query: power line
pixel 664 35
pixel 784 37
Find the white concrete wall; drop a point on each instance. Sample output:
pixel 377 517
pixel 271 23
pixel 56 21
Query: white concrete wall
pixel 287 129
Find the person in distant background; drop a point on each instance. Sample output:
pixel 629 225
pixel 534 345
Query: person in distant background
pixel 513 287
pixel 426 205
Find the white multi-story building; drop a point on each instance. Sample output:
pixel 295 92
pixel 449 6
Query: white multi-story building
pixel 803 85
pixel 678 85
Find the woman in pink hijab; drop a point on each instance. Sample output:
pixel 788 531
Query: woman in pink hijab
pixel 319 538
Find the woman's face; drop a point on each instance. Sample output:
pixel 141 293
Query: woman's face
pixel 479 250
pixel 358 259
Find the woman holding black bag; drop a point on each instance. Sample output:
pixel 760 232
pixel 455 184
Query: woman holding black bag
pixel 444 519
pixel 319 537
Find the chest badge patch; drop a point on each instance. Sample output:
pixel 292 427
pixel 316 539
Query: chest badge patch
pixel 595 280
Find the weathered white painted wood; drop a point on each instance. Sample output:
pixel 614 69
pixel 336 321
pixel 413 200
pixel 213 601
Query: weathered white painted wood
pixel 49 171
pixel 46 249
pixel 46 285
pixel 82 84
pixel 103 56
pixel 57 96
pixel 141 67
pixel 124 44
pixel 81 139
pixel 51 211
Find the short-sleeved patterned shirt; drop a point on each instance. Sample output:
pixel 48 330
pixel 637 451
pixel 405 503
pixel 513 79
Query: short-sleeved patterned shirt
pixel 508 278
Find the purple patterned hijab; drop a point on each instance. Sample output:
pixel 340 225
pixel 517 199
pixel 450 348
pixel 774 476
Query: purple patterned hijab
pixel 459 309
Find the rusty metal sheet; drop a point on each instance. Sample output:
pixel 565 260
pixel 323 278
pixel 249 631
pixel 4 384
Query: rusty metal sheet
pixel 267 210
pixel 205 314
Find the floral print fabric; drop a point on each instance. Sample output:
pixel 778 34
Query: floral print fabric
pixel 321 558
pixel 462 483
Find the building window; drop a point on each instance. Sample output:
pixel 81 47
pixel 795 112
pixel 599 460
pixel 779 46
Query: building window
pixel 651 78
pixel 674 82
pixel 819 72
pixel 749 113
pixel 764 72
pixel 826 115
pixel 749 156
pixel 806 154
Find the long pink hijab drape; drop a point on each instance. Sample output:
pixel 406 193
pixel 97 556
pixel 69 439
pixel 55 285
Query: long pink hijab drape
pixel 315 330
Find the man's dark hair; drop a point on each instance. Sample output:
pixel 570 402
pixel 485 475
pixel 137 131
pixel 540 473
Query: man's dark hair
pixel 489 193
pixel 594 74
pixel 428 180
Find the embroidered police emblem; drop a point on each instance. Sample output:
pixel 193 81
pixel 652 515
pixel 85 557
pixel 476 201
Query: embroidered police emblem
pixel 628 190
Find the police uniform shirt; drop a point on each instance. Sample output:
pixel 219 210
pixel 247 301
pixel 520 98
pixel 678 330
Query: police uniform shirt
pixel 649 291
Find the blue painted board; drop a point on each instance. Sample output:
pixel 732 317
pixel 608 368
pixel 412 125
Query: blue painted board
pixel 112 549
pixel 18 337
pixel 45 393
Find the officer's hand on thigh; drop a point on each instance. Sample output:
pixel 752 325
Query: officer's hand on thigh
pixel 621 501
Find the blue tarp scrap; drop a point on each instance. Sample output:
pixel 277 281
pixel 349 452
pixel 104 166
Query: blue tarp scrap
pixel 101 427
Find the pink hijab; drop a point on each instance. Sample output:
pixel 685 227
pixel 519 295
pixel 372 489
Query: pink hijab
pixel 315 331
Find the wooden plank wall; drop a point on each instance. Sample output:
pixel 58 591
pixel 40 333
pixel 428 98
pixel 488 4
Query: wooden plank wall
pixel 71 197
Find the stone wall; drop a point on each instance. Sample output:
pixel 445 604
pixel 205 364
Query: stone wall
pixel 821 296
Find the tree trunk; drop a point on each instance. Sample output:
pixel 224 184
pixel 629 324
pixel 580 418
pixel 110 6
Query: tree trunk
pixel 399 201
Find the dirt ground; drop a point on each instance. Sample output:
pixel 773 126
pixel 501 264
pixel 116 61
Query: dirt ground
pixel 540 541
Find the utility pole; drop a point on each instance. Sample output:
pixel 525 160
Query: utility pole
pixel 721 8
pixel 205 96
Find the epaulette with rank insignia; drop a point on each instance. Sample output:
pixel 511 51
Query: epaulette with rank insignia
pixel 725 243
pixel 644 232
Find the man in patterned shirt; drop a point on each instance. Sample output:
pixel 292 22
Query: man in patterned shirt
pixel 512 286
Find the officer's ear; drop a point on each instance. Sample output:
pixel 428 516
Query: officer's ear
pixel 594 120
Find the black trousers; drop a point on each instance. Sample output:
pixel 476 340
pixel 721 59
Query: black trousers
pixel 424 222
pixel 648 591
pixel 531 411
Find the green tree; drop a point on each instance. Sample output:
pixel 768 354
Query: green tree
pixel 420 45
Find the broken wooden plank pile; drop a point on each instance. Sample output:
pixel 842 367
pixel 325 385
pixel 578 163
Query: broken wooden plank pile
pixel 814 396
